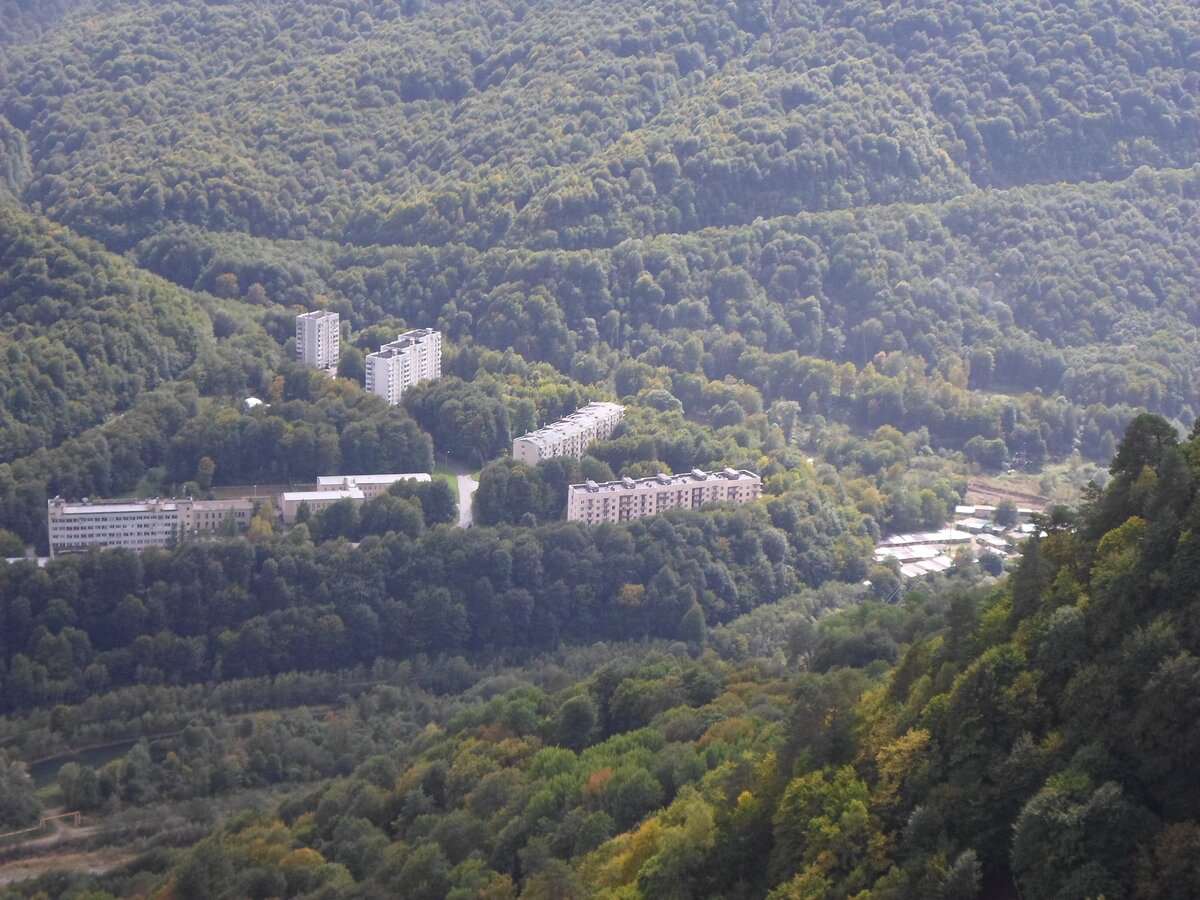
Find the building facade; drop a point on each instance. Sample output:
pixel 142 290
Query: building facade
pixel 319 340
pixel 414 356
pixel 291 501
pixel 629 498
pixel 370 485
pixel 137 524
pixel 569 436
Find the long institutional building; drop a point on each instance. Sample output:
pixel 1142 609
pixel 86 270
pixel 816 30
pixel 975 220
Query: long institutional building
pixel 630 498
pixel 414 356
pixel 334 488
pixel 319 340
pixel 571 435
pixel 137 524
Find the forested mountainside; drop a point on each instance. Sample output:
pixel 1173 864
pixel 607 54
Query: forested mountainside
pixel 599 181
pixel 83 333
pixel 581 124
pixel 892 257
pixel 1038 734
pixel 23 20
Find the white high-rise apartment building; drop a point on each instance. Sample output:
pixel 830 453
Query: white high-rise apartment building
pixel 137 524
pixel 569 436
pixel 414 356
pixel 629 498
pixel 319 340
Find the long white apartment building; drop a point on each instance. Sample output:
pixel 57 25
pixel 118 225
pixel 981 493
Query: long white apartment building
pixel 319 340
pixel 137 524
pixel 571 435
pixel 632 498
pixel 414 356
pixel 370 485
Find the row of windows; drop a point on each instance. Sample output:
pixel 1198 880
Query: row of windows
pixel 111 528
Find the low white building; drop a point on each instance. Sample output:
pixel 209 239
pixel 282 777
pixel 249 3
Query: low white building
pixel 370 485
pixel 291 501
pixel 992 541
pixel 971 524
pixel 137 524
pixel 571 435
pixel 414 356
pixel 629 498
pixel 942 536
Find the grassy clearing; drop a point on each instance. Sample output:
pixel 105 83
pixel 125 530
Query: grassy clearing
pixel 443 473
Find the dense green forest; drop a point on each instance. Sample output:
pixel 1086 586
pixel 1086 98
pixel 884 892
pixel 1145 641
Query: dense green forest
pixel 878 253
pixel 604 182
pixel 83 333
pixel 235 609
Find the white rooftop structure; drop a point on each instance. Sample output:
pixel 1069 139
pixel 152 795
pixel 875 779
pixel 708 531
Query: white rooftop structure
pixel 971 524
pixel 331 496
pixel 942 536
pixel 992 540
pixel 370 485
pixel 926 566
pixel 908 553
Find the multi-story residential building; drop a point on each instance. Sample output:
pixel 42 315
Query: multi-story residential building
pixel 319 340
pixel 291 501
pixel 414 356
pixel 569 436
pixel 629 498
pixel 370 485
pixel 137 524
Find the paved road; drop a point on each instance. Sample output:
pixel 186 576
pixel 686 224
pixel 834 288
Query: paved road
pixel 466 490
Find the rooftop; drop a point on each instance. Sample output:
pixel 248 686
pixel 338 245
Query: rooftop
pixel 403 342
pixel 344 494
pixel 371 479
pixel 908 553
pixel 568 425
pixel 117 506
pixel 992 540
pixel 943 536
pixel 151 505
pixel 696 476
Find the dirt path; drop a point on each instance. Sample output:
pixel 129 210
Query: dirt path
pixel 64 832
pixel 467 486
pixel 95 862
